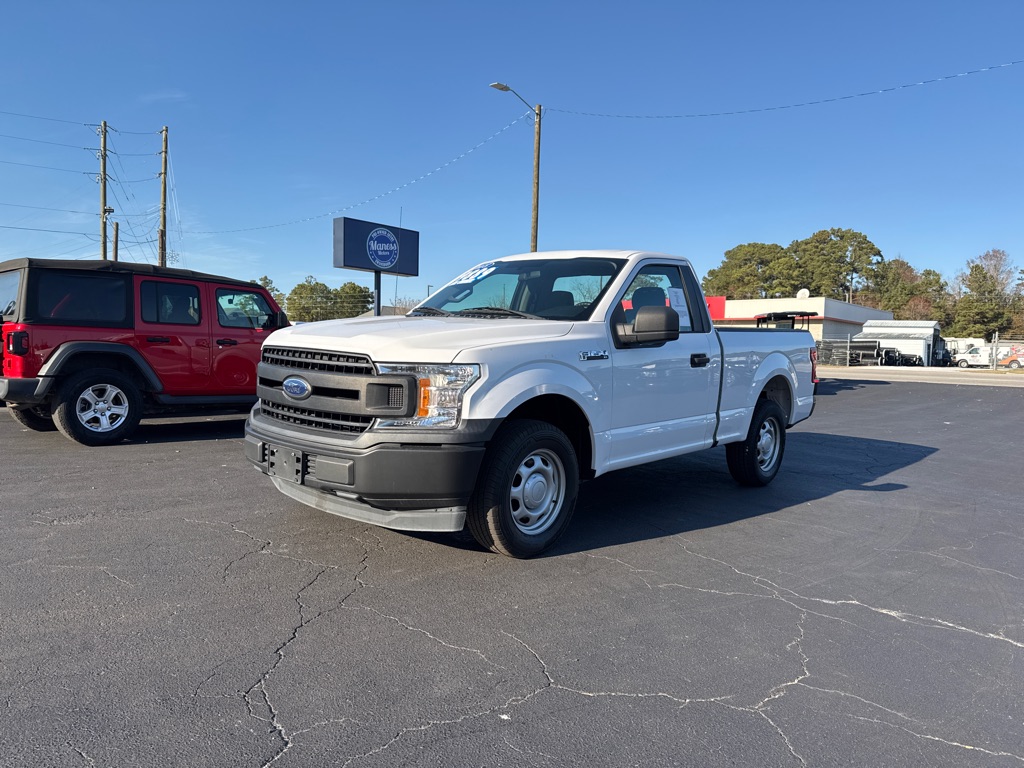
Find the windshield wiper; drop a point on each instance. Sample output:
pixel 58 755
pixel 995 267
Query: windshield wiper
pixel 430 311
pixel 495 312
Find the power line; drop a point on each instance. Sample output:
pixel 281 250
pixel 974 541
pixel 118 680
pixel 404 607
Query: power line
pixel 45 167
pixel 41 208
pixel 791 106
pixel 51 119
pixel 34 229
pixel 376 197
pixel 40 141
pixel 66 210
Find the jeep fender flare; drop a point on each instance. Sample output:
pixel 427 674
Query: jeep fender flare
pixel 59 361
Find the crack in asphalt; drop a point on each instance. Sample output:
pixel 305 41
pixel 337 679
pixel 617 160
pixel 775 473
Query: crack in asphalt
pixel 261 708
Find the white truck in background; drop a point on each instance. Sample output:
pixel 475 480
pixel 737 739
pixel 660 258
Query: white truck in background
pixel 981 356
pixel 487 404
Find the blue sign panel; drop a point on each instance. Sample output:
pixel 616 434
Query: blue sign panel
pixel 376 247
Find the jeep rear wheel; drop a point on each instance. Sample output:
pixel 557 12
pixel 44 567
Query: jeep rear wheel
pixel 98 407
pixel 37 418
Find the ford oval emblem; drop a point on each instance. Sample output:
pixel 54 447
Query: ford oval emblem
pixel 296 388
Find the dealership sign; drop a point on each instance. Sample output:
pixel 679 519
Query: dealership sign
pixel 376 247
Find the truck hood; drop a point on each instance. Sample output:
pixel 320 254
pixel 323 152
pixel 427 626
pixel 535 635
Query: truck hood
pixel 415 339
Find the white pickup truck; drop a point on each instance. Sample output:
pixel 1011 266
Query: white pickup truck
pixel 486 405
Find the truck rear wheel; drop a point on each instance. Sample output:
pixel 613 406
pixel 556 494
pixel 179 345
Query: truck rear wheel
pixel 527 489
pixel 756 460
pixel 98 407
pixel 37 418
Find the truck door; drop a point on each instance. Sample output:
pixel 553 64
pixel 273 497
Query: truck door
pixel 664 397
pixel 243 320
pixel 173 333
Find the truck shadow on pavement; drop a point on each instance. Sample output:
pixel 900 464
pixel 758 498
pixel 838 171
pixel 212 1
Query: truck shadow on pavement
pixel 696 492
pixel 835 386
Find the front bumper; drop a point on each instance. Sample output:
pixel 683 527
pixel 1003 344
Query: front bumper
pixel 387 480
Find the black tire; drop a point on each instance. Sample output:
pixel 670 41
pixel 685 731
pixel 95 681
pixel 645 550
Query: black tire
pixel 756 460
pixel 964 364
pixel 527 488
pixel 1015 365
pixel 37 418
pixel 98 407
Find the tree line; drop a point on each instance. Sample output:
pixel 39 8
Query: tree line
pixel 313 300
pixel 985 297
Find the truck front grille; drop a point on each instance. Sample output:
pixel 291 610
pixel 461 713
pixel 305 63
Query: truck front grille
pixel 315 360
pixel 321 420
pixel 336 378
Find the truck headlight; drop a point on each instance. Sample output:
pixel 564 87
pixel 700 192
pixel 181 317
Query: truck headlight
pixel 439 393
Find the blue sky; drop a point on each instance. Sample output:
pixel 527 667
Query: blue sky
pixel 284 116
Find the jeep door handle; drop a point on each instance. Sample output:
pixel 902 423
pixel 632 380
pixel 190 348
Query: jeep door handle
pixel 159 339
pixel 227 342
pixel 699 360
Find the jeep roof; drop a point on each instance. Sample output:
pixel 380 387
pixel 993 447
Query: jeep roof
pixel 117 266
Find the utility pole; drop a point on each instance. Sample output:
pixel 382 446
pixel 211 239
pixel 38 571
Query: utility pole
pixel 103 189
pixel 536 177
pixel 163 203
pixel 115 241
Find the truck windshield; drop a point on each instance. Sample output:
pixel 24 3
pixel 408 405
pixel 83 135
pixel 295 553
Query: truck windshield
pixel 9 282
pixel 552 289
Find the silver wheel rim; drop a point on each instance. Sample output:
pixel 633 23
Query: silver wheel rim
pixel 768 444
pixel 101 408
pixel 537 492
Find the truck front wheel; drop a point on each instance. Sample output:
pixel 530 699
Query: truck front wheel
pixel 964 364
pixel 98 407
pixel 756 460
pixel 527 489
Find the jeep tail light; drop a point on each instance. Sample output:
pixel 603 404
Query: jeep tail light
pixel 17 343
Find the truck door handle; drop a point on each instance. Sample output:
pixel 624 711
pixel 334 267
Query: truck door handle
pixel 159 339
pixel 227 342
pixel 699 360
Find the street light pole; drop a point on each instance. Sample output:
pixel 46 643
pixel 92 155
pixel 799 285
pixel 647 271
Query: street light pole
pixel 536 160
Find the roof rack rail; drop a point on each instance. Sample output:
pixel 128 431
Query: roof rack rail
pixel 785 319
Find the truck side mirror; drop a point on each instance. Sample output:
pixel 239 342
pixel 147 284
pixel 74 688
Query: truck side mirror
pixel 652 326
pixel 277 320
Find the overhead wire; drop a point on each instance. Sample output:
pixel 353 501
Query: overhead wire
pixel 42 141
pixel 391 191
pixel 790 106
pixel 46 167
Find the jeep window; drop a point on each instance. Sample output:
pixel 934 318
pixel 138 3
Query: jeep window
pixel 171 303
pixel 242 309
pixel 9 282
pixel 80 298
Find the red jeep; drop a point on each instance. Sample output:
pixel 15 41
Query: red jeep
pixel 89 347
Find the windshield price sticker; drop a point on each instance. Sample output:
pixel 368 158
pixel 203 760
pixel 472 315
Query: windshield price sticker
pixel 677 300
pixel 477 273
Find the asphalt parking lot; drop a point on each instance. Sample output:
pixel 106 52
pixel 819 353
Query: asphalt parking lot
pixel 163 605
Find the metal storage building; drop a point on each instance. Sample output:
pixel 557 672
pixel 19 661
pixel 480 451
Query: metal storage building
pixel 917 342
